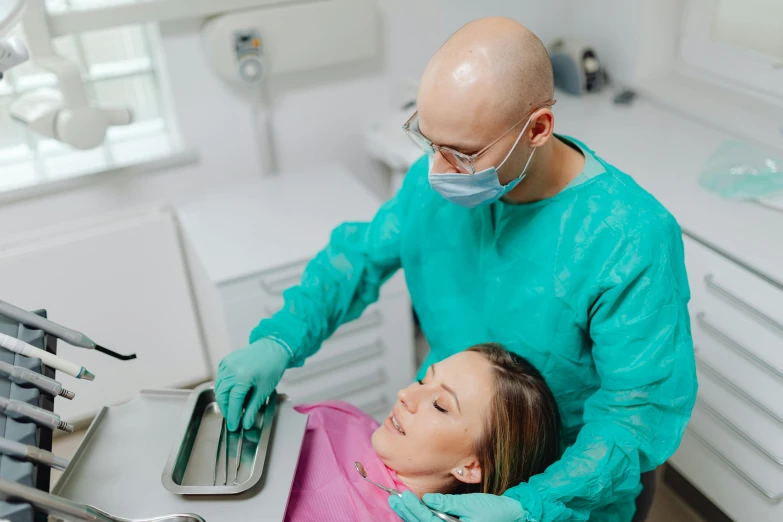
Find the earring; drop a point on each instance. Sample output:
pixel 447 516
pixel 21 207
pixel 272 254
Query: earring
pixel 460 472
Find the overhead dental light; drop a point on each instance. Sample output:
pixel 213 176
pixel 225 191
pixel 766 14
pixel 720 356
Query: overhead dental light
pixel 13 51
pixel 64 114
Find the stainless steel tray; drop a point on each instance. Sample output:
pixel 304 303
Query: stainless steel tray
pixel 118 463
pixel 202 462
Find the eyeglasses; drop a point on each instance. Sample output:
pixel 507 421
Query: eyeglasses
pixel 464 163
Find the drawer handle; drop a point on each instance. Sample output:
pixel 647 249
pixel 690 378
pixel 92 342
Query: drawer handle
pixel 354 356
pixel 365 322
pixel 704 405
pixel 775 498
pixel 276 285
pixel 338 392
pixel 736 346
pixel 375 407
pixel 709 280
pixel 731 386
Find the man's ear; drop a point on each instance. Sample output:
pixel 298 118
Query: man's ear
pixel 541 126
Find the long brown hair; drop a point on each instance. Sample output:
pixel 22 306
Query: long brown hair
pixel 521 437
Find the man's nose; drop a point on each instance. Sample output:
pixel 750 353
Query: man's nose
pixel 440 165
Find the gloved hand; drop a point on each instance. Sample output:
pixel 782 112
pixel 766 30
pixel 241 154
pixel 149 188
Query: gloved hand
pixel 475 507
pixel 257 368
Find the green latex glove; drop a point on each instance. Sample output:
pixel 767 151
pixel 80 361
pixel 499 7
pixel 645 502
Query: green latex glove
pixel 476 507
pixel 257 368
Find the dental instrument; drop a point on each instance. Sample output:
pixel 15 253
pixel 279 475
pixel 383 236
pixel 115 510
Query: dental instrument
pixel 391 491
pixel 225 465
pixel 32 454
pixel 64 509
pixel 363 473
pixel 23 411
pixel 23 376
pixel 68 335
pixel 238 458
pixel 217 451
pixel 49 359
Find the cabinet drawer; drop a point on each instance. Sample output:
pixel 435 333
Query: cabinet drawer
pixel 337 356
pixel 754 340
pixel 270 285
pixel 754 343
pixel 376 402
pixel 338 383
pixel 736 452
pixel 738 411
pixel 738 449
pixel 764 387
pixel 379 408
pixel 727 485
pixel 736 306
pixel 749 293
pixel 370 318
pixel 244 312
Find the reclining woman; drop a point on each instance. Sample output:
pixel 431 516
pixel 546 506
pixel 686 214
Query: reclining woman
pixel 481 421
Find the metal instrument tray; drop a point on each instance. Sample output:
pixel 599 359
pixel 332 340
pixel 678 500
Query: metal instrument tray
pixel 117 466
pixel 202 462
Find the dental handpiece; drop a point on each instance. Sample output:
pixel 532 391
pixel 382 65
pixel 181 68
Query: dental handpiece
pixel 23 376
pixel 32 454
pixel 68 335
pixel 23 411
pixel 49 359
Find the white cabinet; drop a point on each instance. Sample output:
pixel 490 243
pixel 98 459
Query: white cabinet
pixel 249 243
pixel 733 448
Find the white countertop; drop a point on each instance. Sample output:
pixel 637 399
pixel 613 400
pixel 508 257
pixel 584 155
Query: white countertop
pixel 227 227
pixel 665 153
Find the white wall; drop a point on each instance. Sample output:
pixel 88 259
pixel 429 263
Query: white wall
pixel 321 112
pixel 329 110
pixel 633 39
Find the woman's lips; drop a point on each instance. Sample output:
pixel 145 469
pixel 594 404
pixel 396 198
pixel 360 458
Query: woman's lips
pixel 393 424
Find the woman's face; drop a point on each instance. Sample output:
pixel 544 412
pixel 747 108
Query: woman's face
pixel 436 422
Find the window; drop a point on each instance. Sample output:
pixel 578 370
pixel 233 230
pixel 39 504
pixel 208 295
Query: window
pixel 119 66
pixel 737 41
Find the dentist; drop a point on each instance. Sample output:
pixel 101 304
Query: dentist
pixel 510 233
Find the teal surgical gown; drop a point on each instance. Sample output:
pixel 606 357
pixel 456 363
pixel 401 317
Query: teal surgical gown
pixel 588 285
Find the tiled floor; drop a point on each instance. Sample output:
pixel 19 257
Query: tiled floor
pixel 667 507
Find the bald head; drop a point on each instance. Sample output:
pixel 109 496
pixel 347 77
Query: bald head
pixel 493 70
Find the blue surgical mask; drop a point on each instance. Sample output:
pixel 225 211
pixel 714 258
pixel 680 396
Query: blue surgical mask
pixel 481 188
